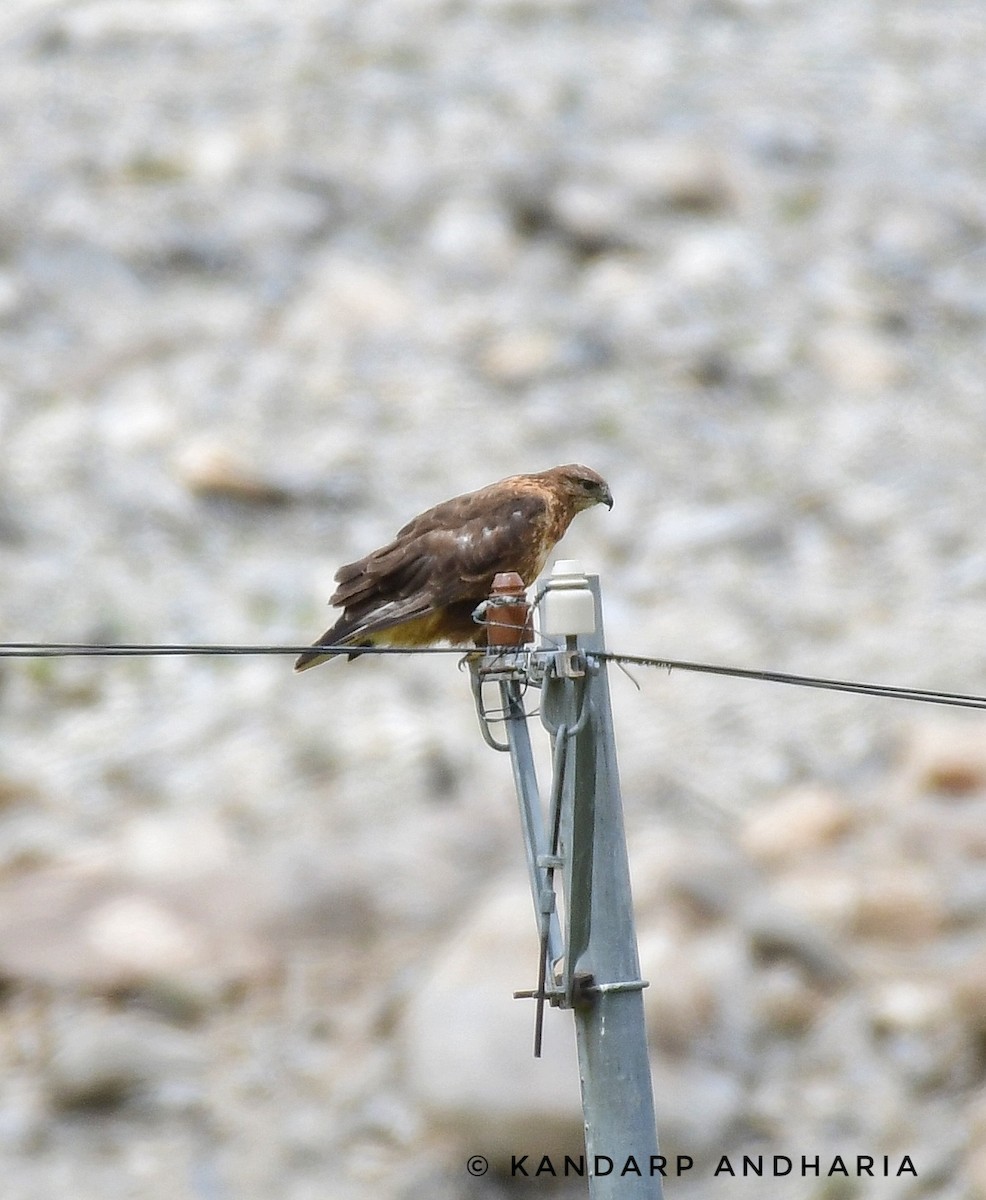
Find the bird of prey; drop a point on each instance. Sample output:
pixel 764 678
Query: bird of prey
pixel 422 587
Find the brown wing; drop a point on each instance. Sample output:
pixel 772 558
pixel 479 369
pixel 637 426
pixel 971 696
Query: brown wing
pixel 447 555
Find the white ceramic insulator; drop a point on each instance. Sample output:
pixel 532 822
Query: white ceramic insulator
pixel 568 606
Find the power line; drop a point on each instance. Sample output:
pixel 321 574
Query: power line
pixel 157 650
pixel 208 649
pixel 922 695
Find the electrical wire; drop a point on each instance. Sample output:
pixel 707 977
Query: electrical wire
pixel 158 650
pixel 922 695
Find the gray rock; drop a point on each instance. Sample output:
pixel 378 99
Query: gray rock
pixel 466 1044
pixel 102 1061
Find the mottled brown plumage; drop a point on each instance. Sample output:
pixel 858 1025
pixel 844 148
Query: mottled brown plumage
pixel 422 587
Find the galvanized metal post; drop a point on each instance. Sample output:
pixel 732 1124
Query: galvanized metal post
pixel 602 968
pixel 591 966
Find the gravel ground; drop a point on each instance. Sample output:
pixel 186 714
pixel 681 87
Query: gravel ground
pixel 276 276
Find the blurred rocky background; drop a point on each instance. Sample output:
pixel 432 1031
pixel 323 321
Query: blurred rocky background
pixel 274 276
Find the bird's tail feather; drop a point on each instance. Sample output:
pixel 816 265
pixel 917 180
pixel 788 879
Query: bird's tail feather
pixel 312 658
pixel 338 635
pixel 315 656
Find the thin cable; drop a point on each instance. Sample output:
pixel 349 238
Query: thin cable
pixel 138 649
pixel 921 695
pixel 150 650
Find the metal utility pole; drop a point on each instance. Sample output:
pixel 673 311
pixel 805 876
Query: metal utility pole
pixel 590 966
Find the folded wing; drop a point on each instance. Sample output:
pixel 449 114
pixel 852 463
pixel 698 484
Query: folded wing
pixel 445 558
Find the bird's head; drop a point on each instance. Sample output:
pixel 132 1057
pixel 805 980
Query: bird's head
pixel 582 487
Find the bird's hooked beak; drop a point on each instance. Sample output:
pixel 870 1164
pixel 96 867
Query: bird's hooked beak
pixel 606 497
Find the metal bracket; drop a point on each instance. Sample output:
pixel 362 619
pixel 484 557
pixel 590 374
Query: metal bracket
pixel 569 664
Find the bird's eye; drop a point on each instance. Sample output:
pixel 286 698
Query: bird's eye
pixel 588 485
